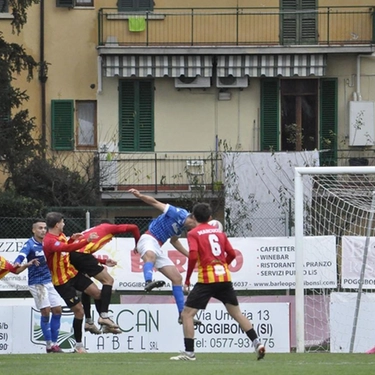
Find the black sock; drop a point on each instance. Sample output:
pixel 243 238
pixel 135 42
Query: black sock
pixel 251 334
pixel 189 345
pixel 86 302
pixel 105 297
pixel 98 305
pixel 77 329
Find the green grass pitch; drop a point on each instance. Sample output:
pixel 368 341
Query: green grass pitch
pixel 206 364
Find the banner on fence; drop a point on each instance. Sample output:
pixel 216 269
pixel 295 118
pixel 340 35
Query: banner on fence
pixel 152 328
pixel 353 250
pixel 343 309
pixel 262 263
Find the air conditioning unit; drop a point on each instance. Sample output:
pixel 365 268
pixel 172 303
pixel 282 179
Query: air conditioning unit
pixel 232 82
pixel 192 82
pixel 65 3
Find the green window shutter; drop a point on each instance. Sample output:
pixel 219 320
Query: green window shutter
pixel 146 116
pixel 328 121
pixel 308 22
pixel 136 116
pixel 299 22
pixel 62 112
pixel 269 115
pixel 289 22
pixel 135 5
pixel 4 6
pixel 127 116
pixel 145 4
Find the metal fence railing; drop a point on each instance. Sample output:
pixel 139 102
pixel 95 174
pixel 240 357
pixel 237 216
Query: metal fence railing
pixel 161 171
pixel 328 25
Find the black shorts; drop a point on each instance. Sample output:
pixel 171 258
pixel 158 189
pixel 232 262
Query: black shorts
pixel 68 291
pixel 86 263
pixel 200 295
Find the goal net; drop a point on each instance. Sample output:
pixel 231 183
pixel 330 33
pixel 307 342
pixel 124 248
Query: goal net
pixel 335 259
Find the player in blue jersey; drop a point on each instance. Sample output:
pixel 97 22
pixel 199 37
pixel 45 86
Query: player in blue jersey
pixel 46 298
pixel 169 225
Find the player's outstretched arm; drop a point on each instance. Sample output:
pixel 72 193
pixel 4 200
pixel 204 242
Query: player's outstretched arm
pixel 148 199
pixel 178 246
pixel 18 269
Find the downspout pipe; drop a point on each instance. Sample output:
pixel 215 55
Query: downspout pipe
pixel 43 79
pixel 357 94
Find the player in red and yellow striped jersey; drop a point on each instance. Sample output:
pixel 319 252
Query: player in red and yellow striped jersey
pixel 105 232
pixel 211 249
pixel 66 279
pixel 6 266
pixel 85 262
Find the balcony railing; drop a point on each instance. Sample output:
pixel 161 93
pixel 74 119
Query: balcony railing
pixel 188 171
pixel 164 171
pixel 336 25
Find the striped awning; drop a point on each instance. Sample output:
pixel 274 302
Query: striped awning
pixel 271 65
pixel 156 66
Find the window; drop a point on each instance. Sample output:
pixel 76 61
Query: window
pixel 65 3
pixel 74 3
pixel 86 124
pixel 299 21
pixel 84 3
pixel 63 124
pixel 136 122
pixel 4 8
pixel 135 5
pixel 300 114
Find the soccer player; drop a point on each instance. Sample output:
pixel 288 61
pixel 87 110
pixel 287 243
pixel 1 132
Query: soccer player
pixel 46 298
pixel 65 277
pixel 169 225
pixel 84 261
pixel 209 246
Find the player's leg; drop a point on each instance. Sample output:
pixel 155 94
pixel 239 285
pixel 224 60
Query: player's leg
pixel 40 295
pixel 68 292
pixel 148 247
pixel 235 312
pixel 89 322
pixel 197 300
pixel 169 270
pixel 106 293
pixel 226 294
pixel 94 292
pixel 107 281
pixel 54 300
pixel 89 265
pixel 77 326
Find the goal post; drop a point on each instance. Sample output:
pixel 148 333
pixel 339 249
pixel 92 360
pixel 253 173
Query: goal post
pixel 338 202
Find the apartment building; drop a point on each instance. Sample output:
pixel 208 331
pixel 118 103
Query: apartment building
pixel 154 90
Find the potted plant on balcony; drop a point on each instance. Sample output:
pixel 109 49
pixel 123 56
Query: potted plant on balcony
pixel 218 186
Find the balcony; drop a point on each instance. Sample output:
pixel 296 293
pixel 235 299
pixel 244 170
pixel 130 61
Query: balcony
pixel 336 26
pixel 171 173
pixel 162 172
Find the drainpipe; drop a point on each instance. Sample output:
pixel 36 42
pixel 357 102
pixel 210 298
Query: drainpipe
pixel 43 69
pixel 357 95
